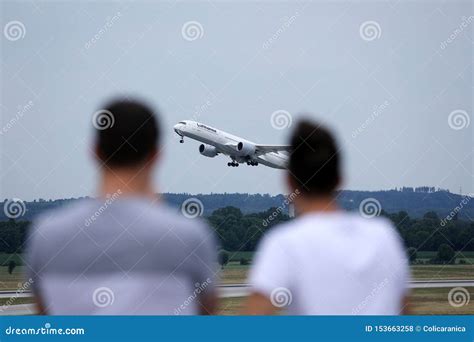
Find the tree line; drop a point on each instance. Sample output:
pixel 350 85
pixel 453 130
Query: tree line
pixel 237 231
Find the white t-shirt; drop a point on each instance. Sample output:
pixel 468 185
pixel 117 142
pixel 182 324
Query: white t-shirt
pixel 332 264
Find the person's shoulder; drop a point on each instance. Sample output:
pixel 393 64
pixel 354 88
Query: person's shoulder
pixel 283 231
pixel 380 229
pixel 178 223
pixel 57 218
pixel 379 224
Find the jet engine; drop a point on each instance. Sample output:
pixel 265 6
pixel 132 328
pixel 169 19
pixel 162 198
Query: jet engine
pixel 245 149
pixel 208 150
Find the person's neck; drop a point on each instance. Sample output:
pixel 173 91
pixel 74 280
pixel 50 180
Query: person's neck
pixel 126 182
pixel 326 204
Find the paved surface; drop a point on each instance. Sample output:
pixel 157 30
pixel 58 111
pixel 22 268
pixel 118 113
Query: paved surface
pixel 225 291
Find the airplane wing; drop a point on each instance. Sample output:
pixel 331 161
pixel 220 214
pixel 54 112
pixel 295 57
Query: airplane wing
pixel 262 149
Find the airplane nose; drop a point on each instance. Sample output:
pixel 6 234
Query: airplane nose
pixel 177 128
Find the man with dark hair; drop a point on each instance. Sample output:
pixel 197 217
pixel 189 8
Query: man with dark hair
pixel 326 261
pixel 123 253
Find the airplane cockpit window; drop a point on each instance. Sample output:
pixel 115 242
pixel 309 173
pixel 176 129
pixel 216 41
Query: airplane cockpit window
pixel 182 122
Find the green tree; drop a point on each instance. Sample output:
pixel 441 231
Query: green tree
pixel 445 253
pixel 223 258
pixel 11 266
pixel 411 252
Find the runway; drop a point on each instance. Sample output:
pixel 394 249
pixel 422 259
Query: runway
pixel 225 291
pixel 242 290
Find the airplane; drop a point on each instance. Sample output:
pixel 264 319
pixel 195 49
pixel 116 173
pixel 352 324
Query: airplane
pixel 239 150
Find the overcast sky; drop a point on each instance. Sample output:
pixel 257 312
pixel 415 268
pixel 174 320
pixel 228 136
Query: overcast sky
pixel 384 75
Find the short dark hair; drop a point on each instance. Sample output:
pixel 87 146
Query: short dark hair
pixel 127 132
pixel 314 162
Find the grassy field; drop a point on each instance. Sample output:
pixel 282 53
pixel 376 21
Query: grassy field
pixel 12 281
pixel 431 301
pixel 234 273
pixel 434 272
pixel 6 258
pixel 422 302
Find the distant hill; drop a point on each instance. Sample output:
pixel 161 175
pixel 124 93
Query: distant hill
pixel 415 203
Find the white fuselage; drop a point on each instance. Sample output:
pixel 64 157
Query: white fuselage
pixel 226 143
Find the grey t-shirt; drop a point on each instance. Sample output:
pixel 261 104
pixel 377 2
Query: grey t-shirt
pixel 128 256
